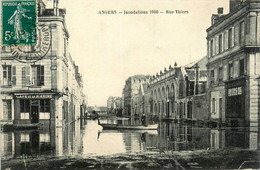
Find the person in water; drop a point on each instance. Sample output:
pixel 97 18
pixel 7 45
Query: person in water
pixel 143 119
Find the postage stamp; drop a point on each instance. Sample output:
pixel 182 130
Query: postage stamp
pixel 28 40
pixel 19 22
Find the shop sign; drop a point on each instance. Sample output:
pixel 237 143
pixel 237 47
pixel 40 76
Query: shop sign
pixel 235 91
pixel 33 96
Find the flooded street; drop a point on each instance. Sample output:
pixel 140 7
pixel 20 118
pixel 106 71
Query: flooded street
pixel 84 140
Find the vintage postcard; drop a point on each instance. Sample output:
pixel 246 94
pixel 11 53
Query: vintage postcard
pixel 127 84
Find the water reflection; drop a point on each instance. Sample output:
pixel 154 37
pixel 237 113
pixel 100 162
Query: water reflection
pixel 85 137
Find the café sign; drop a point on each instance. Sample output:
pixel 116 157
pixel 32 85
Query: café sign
pixel 33 96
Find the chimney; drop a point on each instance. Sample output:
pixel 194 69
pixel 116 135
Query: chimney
pixel 220 11
pixel 55 7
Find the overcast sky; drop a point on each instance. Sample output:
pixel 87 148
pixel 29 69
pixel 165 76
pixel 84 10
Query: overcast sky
pixel 110 48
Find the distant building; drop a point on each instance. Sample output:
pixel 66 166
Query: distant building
pixel 234 64
pixel 131 89
pixel 97 109
pixel 140 101
pixel 114 105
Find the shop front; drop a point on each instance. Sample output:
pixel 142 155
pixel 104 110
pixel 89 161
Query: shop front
pixel 235 102
pixel 33 108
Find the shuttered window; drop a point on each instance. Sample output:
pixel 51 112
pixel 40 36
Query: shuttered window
pixel 37 75
pixel 7 77
pixel 14 75
pixel 28 75
pixel 242 33
pixel 220 41
pixel 230 35
pixel 230 70
pixel 23 76
pixel 220 74
pixel 217 44
pixel 211 48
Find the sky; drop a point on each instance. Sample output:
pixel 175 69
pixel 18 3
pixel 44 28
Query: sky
pixel 108 48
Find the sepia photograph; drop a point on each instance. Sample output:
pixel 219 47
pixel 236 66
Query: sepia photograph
pixel 129 84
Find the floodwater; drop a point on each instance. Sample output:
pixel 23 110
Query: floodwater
pixel 85 138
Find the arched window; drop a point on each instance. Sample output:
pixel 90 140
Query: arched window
pixel 181 89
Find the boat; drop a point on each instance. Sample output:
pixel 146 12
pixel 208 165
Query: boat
pixel 10 127
pixel 129 127
pixel 150 132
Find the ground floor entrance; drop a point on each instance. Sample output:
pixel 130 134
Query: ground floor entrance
pixel 235 105
pixel 33 108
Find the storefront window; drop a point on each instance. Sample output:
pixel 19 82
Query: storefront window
pixel 45 105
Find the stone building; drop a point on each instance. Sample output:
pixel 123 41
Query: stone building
pixel 114 105
pixel 130 91
pixel 140 101
pixel 47 90
pixel 180 92
pixel 234 64
pixel 163 93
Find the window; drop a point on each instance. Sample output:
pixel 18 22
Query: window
pixel 26 76
pixel 181 89
pixel 7 77
pixel 220 43
pixel 241 32
pixel 220 74
pixel 45 105
pixel 25 109
pixel 211 48
pixel 230 71
pixel 213 109
pixel 212 77
pixel 230 34
pixel 38 75
pixel 7 109
pixel 241 67
pixel 24 106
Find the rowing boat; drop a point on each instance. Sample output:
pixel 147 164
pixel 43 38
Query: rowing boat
pixel 129 127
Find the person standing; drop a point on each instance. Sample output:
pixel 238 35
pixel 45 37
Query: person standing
pixel 143 119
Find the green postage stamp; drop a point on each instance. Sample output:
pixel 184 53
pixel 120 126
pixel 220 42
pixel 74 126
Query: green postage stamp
pixel 19 22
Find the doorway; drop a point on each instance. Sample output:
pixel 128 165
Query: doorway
pixel 34 114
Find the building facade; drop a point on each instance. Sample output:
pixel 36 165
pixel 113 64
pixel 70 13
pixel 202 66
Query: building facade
pixel 130 91
pixel 47 91
pixel 234 64
pixel 180 92
pixel 114 105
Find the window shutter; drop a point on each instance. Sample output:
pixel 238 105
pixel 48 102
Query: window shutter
pixel 233 37
pixel 214 46
pixel 9 75
pixel 23 76
pixel 42 75
pixel 38 72
pixel 14 75
pixel 223 43
pixel 28 75
pixel 217 46
pixel 209 48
